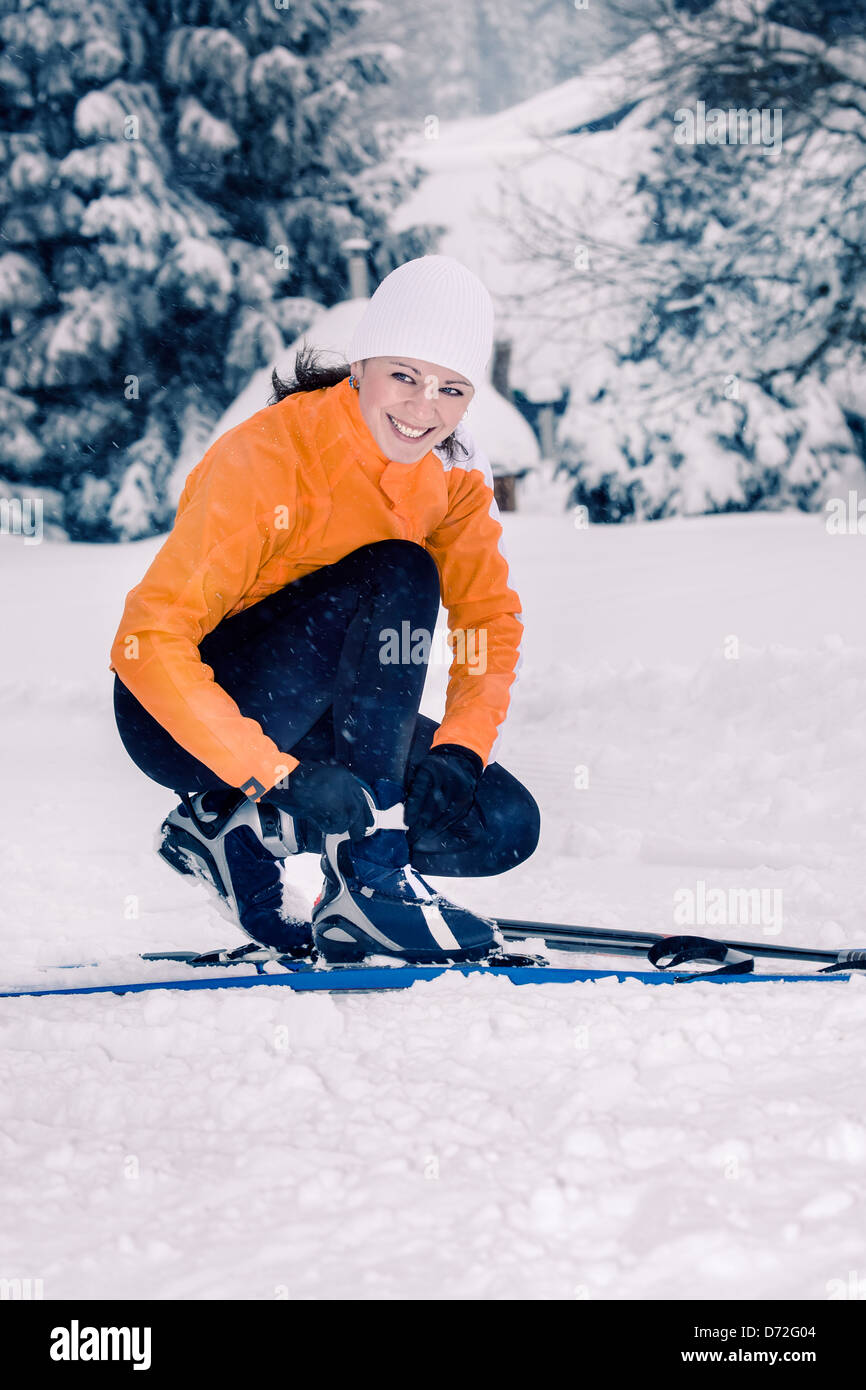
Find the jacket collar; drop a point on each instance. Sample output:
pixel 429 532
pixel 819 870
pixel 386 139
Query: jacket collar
pixel 345 441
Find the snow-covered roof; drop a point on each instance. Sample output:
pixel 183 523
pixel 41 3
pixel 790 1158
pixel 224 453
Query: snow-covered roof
pixel 494 423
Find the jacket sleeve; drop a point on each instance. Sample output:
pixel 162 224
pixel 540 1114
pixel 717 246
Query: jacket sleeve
pixel 484 617
pixel 208 562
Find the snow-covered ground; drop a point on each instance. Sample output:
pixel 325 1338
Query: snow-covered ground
pixel 466 1139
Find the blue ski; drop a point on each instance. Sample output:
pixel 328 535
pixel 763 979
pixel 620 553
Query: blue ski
pixel 373 979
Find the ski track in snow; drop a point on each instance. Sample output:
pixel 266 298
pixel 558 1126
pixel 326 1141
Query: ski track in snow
pixel 468 1138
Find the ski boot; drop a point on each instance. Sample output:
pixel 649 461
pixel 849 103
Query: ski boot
pixel 374 903
pixel 234 846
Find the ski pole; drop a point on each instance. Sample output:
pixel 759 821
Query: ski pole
pixel 604 940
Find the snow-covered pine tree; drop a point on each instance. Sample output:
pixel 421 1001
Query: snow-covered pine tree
pixel 717 327
pixel 175 182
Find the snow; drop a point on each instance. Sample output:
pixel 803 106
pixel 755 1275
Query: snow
pixel 98 116
pixel 504 434
pixel 466 1139
pixel 199 273
pixel 134 229
pixel 22 284
pixel 198 130
pixel 112 167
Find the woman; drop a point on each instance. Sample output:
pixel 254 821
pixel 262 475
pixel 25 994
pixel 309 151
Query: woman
pixel 257 671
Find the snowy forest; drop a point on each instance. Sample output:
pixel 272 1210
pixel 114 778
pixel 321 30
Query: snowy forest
pixel 177 181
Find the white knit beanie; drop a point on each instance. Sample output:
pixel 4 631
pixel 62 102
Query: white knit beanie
pixel 433 308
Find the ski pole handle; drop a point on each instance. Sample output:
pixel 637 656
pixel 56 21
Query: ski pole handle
pixel 674 951
pixel 854 959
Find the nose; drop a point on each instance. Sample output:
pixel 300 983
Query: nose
pixel 421 412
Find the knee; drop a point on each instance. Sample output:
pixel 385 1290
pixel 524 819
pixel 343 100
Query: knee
pixel 405 558
pixel 514 822
pixel 524 840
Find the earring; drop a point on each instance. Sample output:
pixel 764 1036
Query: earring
pixel 354 383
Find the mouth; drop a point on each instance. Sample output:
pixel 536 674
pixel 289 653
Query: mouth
pixel 405 432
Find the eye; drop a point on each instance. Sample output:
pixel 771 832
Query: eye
pixel 452 390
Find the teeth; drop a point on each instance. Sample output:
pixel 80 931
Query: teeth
pixel 404 429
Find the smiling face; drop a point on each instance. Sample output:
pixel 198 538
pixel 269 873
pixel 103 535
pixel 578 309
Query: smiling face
pixel 417 395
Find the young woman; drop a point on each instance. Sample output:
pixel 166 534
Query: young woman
pixel 270 664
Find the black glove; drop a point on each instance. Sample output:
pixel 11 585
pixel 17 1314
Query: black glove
pixel 443 789
pixel 327 794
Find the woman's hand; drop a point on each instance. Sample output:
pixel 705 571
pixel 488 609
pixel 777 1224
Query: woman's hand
pixel 327 794
pixel 443 789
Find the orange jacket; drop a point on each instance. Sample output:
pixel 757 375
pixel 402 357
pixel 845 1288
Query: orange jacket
pixel 297 486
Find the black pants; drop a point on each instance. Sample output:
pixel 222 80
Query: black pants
pixel 306 663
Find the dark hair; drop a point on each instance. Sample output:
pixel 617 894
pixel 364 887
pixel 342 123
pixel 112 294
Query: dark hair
pixel 311 375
